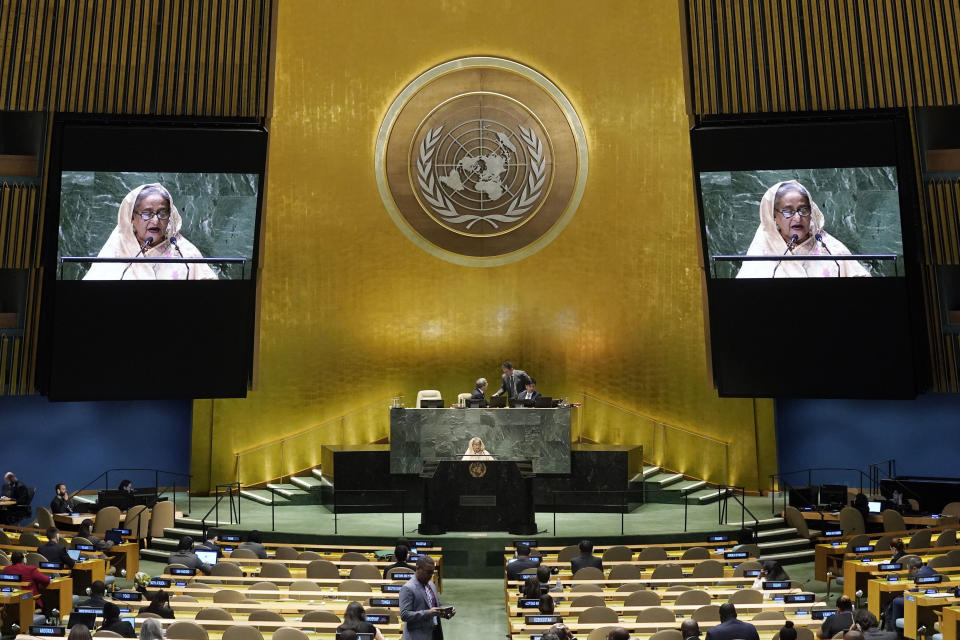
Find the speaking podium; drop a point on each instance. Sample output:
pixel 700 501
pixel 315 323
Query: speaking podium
pixel 488 495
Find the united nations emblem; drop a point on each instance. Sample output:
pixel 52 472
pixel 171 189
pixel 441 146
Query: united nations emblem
pixel 478 469
pixel 481 161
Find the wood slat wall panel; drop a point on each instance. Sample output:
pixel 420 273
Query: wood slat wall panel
pixel 137 57
pixel 811 55
pixel 155 57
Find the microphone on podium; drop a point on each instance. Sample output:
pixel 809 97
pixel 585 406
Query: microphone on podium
pixel 147 243
pixel 793 242
pixel 176 246
pixel 827 249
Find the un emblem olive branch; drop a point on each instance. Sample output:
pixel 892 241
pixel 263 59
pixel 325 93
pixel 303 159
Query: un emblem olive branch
pixel 443 206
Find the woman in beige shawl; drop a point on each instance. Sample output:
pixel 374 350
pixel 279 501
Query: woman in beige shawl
pixel 147 214
pixel 786 210
pixel 476 451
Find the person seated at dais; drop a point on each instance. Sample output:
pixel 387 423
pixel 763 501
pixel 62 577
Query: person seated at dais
pixel 787 210
pixel 531 392
pixel 480 391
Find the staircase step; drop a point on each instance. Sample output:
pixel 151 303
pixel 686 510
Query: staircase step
pixel 154 554
pixel 761 522
pixel 161 543
pixel 693 486
pixel 663 480
pixel 777 533
pixel 317 472
pixel 196 523
pixel 294 494
pixel 708 496
pixel 263 496
pixel 780 544
pixel 307 483
pixel 179 532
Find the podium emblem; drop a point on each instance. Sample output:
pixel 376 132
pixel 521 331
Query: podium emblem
pixel 478 469
pixel 481 161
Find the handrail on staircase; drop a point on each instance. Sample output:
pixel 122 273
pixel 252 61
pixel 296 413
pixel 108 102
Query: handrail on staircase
pixel 223 491
pixel 156 483
pixel 777 480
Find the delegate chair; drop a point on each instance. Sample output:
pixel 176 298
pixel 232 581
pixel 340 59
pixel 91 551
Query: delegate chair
pixel 952 509
pixel 947 538
pixel 161 518
pixel 600 614
pixel 243 554
pixel 586 601
pixel 29 539
pixel 310 555
pixel 586 588
pixel 227 596
pixel 289 633
pixel 322 569
pixel 588 573
pixel 265 615
pixel 354 585
pixel 44 519
pixel 272 589
pixel 851 521
pixel 696 553
pixel 568 553
pixel 708 569
pixel 366 572
pixel 892 520
pixel 665 571
pixel 883 543
pixel 304 585
pixel 618 553
pixel 240 632
pixel 656 614
pixel 707 613
pixel 184 630
pixel 642 598
pixel 321 616
pixel 286 553
pixel 274 571
pixel 600 633
pixel 107 518
pixel 652 554
pixel 770 615
pixel 693 597
pixel 747 596
pixel 354 556
pixel 920 540
pixel 138 521
pixel 796 520
pixel 624 572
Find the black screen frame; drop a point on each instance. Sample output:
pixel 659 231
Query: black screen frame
pixel 82 322
pixel 885 356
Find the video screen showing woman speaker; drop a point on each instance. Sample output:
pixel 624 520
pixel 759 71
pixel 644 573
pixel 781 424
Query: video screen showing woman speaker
pixel 803 212
pixel 163 216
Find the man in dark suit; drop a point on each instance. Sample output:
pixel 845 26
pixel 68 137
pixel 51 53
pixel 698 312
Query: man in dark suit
pixel 915 568
pixel 522 562
pixel 184 555
pixel 97 592
pixel 531 392
pixel 17 491
pixel 54 550
pixel 420 607
pixel 61 502
pixel 586 558
pixel 514 381
pixel 480 391
pixel 730 628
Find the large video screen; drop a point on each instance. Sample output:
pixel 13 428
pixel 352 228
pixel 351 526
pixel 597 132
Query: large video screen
pixel 151 245
pixel 113 214
pixel 820 213
pixel 808 229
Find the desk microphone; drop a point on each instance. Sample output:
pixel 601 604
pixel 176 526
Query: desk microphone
pixel 176 246
pixel 147 243
pixel 793 241
pixel 825 248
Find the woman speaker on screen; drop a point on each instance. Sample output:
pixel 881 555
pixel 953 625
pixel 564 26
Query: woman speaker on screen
pixel 791 222
pixel 148 226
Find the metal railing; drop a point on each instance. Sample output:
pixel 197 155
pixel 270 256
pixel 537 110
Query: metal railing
pixel 158 492
pixel 388 492
pixel 778 482
pixel 231 491
pixel 620 505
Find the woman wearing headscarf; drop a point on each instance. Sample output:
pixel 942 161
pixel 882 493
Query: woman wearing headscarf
pixel 476 451
pixel 788 211
pixel 148 226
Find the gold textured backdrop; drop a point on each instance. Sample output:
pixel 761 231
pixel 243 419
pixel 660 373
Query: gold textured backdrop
pixel 353 313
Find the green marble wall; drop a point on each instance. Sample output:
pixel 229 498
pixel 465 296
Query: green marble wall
pixel 218 209
pixel 861 208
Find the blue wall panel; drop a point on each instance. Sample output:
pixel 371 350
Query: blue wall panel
pixel 922 435
pixel 73 442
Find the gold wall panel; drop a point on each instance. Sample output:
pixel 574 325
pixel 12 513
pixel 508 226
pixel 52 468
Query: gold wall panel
pixel 821 55
pixel 352 313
